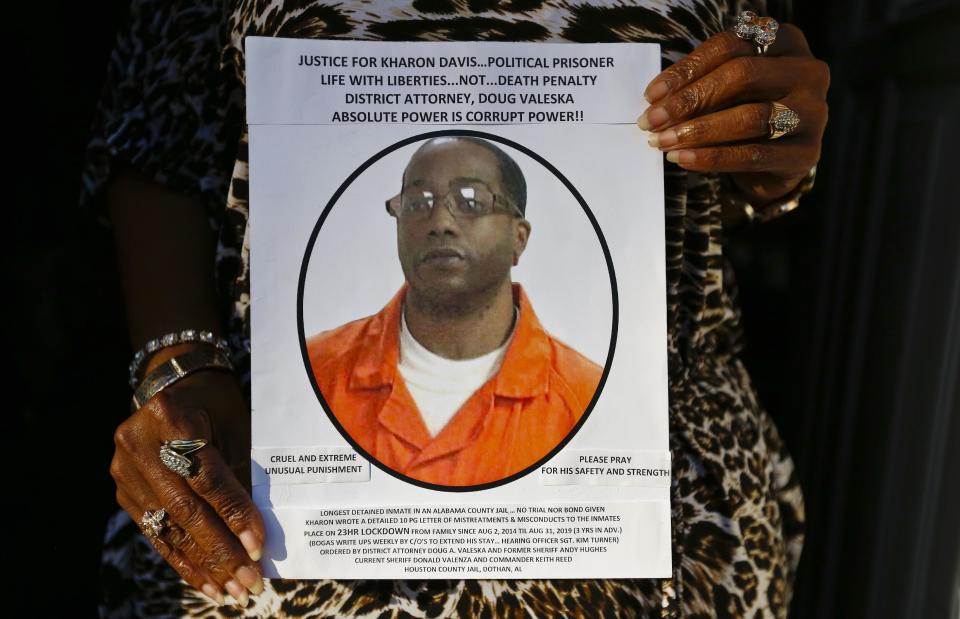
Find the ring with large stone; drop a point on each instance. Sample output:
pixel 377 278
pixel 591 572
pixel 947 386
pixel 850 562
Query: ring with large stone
pixel 761 30
pixel 174 454
pixel 152 522
pixel 783 121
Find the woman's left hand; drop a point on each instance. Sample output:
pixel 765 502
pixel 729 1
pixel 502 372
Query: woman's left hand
pixel 710 111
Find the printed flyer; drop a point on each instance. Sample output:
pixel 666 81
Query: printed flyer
pixel 458 315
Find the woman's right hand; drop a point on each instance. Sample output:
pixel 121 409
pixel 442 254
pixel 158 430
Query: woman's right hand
pixel 214 533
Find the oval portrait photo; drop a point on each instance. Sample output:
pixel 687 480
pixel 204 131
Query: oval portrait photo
pixel 458 310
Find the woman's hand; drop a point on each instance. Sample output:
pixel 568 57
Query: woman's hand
pixel 710 111
pixel 214 534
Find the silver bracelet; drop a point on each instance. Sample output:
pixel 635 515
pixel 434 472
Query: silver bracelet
pixel 172 339
pixel 768 212
pixel 175 368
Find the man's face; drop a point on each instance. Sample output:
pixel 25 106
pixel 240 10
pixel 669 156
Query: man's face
pixel 444 257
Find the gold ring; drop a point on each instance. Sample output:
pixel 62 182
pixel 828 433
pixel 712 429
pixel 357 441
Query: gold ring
pixel 783 121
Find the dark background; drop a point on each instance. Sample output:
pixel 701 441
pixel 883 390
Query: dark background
pixel 851 307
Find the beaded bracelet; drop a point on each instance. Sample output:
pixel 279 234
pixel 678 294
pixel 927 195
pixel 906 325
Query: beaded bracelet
pixel 172 339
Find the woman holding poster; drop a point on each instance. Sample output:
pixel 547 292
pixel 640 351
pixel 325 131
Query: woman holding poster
pixel 172 116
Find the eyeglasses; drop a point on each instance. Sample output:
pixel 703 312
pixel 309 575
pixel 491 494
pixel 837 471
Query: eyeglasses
pixel 464 200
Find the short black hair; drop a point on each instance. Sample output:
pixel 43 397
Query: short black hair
pixel 514 182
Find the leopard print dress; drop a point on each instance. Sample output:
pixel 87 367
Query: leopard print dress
pixel 172 108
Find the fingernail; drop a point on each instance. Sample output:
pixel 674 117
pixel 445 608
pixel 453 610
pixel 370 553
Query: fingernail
pixel 663 139
pixel 653 117
pixel 250 579
pixel 656 91
pixel 252 544
pixel 657 116
pixel 213 593
pixel 237 592
pixel 681 156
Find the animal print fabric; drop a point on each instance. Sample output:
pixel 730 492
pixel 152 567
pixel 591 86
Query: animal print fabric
pixel 172 108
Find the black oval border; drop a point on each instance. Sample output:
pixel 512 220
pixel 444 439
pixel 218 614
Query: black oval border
pixel 613 290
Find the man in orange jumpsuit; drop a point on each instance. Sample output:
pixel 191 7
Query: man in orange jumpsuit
pixel 455 382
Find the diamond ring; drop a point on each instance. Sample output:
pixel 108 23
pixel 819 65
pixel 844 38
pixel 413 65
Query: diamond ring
pixel 174 454
pixel 152 522
pixel 783 121
pixel 762 30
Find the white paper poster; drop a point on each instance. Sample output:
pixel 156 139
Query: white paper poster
pixel 458 310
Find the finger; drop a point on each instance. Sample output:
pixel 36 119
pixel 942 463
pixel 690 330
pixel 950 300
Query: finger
pixel 171 419
pixel 125 471
pixel 717 50
pixel 783 159
pixel 217 484
pixel 175 536
pixel 741 80
pixel 750 121
pixel 736 124
pixel 213 478
pixel 217 543
pixel 193 575
pixel 137 490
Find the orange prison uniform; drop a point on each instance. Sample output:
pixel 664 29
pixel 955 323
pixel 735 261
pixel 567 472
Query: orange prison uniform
pixel 513 420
